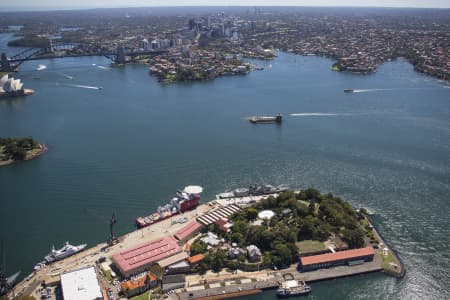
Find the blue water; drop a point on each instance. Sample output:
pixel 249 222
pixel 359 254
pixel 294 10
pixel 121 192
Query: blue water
pixel 127 147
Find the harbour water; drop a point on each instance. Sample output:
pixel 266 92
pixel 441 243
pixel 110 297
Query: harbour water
pixel 126 147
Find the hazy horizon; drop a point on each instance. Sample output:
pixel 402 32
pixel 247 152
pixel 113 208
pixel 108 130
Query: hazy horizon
pixel 30 5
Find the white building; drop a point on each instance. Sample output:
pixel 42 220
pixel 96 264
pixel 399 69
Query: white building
pixel 81 284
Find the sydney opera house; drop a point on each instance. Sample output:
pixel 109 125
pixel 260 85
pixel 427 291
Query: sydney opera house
pixel 10 87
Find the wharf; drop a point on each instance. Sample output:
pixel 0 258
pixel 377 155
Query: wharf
pixel 218 285
pixel 88 257
pixel 226 285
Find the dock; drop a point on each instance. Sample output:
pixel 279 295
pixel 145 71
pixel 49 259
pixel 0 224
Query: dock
pixel 219 285
pixel 209 286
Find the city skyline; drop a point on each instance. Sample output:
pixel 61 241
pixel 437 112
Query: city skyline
pixel 82 4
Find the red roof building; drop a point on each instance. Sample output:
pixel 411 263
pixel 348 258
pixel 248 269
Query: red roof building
pixel 350 257
pixel 224 225
pixel 140 258
pixel 188 231
pixel 196 258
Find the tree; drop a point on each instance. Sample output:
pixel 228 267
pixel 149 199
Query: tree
pixel 353 237
pixel 202 267
pixel 252 214
pixel 238 238
pixel 218 260
pixel 198 247
pixel 233 264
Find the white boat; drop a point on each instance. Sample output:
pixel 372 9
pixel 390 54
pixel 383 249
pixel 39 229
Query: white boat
pixel 293 287
pixel 66 251
pixel 41 67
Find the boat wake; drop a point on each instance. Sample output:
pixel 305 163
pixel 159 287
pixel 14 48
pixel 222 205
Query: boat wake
pixel 65 75
pixel 318 115
pixel 393 89
pixel 371 90
pixel 103 68
pixel 83 86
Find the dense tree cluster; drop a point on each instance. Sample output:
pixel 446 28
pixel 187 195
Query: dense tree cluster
pixel 307 215
pixel 16 149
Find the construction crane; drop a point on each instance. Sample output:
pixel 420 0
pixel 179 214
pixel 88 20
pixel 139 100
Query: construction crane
pixel 112 239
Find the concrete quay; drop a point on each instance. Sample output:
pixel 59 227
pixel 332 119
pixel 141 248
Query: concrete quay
pixel 50 273
pixel 227 286
pixel 211 285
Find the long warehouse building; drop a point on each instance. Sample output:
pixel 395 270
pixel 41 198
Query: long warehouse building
pixel 140 258
pixel 347 257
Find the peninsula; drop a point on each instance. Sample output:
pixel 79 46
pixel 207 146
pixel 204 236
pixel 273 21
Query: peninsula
pixel 192 44
pixel 238 244
pixel 19 149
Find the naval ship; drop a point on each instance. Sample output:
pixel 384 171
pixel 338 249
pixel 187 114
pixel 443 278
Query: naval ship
pixel 254 190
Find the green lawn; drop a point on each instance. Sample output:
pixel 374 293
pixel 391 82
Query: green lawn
pixel 144 296
pixel 388 259
pixel 310 246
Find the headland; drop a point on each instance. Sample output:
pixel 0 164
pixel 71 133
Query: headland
pixel 19 149
pixel 207 256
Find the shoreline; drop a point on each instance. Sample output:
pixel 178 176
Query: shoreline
pixel 224 284
pixel 31 154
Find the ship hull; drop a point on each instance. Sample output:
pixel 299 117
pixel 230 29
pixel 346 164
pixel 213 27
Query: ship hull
pixel 266 120
pixel 184 206
pixel 284 295
pixel 52 258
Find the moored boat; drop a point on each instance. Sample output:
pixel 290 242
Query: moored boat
pixel 185 200
pixel 58 254
pixel 254 190
pixel 290 288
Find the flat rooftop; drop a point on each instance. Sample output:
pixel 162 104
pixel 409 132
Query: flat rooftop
pixel 147 253
pixel 341 255
pixel 81 285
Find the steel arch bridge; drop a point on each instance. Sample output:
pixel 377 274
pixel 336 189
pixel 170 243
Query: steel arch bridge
pixel 9 64
pixel 36 53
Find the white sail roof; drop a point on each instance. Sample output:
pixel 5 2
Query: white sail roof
pixel 7 85
pixel 10 84
pixel 3 80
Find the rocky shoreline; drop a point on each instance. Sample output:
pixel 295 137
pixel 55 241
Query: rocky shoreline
pixel 31 154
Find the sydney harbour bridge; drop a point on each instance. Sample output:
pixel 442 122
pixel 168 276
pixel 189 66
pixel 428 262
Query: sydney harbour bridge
pixel 59 50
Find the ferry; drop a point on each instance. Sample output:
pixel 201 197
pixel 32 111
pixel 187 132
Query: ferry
pixel 266 119
pixel 185 200
pixel 292 287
